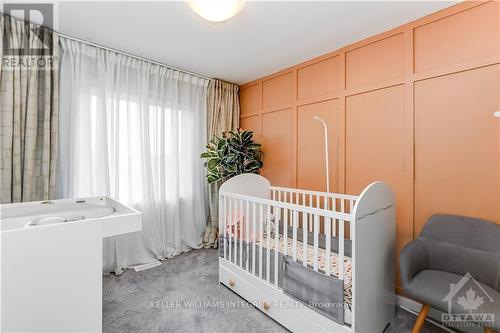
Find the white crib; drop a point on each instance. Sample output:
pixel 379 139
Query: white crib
pixel 274 240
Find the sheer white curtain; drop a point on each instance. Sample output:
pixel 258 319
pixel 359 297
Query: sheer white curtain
pixel 134 131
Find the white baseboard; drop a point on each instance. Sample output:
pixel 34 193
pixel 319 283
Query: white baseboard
pixel 433 317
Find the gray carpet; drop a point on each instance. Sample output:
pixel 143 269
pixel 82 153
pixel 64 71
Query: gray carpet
pixel 183 295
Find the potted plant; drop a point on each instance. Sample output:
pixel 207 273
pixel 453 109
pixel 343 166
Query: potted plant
pixel 227 156
pixel 232 154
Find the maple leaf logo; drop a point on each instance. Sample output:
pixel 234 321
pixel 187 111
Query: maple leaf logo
pixel 470 301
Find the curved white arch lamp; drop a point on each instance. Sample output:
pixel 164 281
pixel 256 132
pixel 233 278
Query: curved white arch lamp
pixel 325 128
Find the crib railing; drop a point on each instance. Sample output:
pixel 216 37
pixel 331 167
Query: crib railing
pixel 244 219
pixel 343 203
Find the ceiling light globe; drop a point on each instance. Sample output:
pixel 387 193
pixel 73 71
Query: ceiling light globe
pixel 216 10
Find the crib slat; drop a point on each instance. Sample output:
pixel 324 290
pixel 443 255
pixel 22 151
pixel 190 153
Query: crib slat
pixel 341 249
pixel 328 259
pixel 305 219
pixel 247 233
pixel 334 221
pixel 342 209
pixel 254 234
pixel 268 239
pixel 261 233
pixel 230 229
pixel 240 225
pixel 316 241
pixel 311 199
pixel 224 225
pixel 294 232
pixel 235 241
pixel 277 219
pixel 285 230
pixel 351 208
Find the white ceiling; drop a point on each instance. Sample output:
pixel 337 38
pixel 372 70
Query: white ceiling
pixel 263 38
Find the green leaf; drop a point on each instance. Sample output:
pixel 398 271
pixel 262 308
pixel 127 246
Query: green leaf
pixel 221 144
pixel 254 146
pixel 234 142
pixel 208 154
pixel 213 163
pixel 253 165
pixel 246 136
pixel 231 158
pixel 211 179
pixel 232 167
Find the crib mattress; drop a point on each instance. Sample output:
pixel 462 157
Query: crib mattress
pixel 322 262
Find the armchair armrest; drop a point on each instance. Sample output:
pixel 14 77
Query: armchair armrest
pixel 413 258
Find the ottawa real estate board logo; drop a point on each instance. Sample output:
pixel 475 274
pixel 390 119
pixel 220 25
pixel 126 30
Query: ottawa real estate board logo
pixel 29 46
pixel 468 304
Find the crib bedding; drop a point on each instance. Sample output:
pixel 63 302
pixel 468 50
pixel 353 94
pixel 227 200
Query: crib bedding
pixel 322 262
pixel 248 257
pixel 237 227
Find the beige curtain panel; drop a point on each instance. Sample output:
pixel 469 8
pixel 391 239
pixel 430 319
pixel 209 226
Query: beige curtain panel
pixel 28 111
pixel 223 111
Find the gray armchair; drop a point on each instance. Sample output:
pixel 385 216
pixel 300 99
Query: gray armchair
pixel 454 266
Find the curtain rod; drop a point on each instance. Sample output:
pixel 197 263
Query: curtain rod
pixel 133 56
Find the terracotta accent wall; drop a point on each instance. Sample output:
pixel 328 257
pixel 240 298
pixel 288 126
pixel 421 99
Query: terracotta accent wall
pixel 412 106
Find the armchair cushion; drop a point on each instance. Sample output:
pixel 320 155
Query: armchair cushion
pixel 432 286
pixel 463 231
pixel 424 253
pixel 413 258
pixel 449 251
pixel 483 266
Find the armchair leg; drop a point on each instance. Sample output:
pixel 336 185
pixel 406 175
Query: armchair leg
pixel 421 319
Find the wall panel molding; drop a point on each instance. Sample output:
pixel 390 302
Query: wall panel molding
pixel 318 79
pixel 392 69
pixel 458 38
pixel 278 129
pixel 278 91
pixel 251 100
pixel 382 60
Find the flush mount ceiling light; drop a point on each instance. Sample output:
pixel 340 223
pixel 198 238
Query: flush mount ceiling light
pixel 216 10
